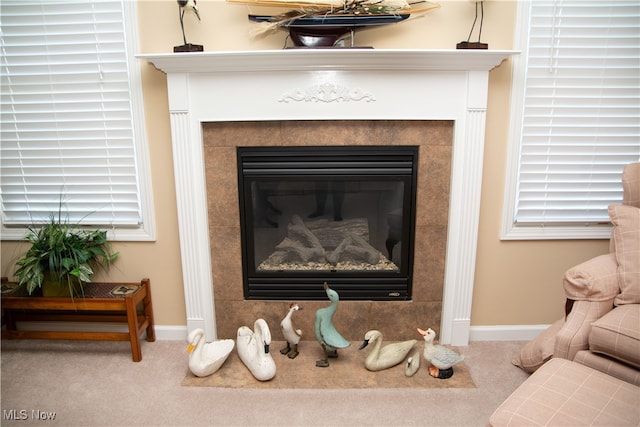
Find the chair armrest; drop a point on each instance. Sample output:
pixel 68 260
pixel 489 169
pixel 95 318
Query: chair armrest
pixel 574 334
pixel 593 280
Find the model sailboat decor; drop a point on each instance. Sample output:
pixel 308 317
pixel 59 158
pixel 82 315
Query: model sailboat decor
pixel 326 23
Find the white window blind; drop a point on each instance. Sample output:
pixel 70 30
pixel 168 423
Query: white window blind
pixel 579 118
pixel 67 135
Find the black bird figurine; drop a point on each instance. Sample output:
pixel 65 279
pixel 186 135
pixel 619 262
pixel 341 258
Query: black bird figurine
pixel 183 6
pixel 468 44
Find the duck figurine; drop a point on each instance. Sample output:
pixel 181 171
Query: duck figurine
pixel 384 357
pixel 253 349
pixel 326 334
pixel 206 358
pixel 440 358
pixel 291 334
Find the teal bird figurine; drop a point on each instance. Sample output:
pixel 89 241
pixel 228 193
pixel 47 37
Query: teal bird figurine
pixel 326 334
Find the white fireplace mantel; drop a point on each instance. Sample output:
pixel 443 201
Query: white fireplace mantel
pixel 330 84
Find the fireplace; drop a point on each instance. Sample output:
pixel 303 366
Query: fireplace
pixel 324 85
pixel 342 215
pixel 423 148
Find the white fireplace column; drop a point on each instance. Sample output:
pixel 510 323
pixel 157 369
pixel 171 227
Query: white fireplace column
pixel 330 84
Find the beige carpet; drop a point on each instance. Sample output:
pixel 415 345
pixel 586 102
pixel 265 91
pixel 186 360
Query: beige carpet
pixel 346 371
pixel 95 383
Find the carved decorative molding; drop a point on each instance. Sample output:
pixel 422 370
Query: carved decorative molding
pixel 327 92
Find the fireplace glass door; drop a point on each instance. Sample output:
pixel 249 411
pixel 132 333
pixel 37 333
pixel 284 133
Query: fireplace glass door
pixel 314 214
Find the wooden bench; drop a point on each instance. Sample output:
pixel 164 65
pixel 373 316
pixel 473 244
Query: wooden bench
pixel 114 303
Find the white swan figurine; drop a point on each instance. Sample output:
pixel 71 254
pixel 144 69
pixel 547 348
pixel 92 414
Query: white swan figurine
pixel 412 365
pixel 207 358
pixel 440 358
pixel 290 333
pixel 384 357
pixel 253 349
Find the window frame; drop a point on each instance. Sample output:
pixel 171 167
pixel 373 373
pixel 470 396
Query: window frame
pixel 509 229
pixel 146 231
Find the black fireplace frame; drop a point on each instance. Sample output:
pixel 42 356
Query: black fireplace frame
pixel 399 163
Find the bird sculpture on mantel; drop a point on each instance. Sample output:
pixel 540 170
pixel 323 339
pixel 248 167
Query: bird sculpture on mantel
pixel 291 334
pixel 183 7
pixel 329 338
pixel 441 359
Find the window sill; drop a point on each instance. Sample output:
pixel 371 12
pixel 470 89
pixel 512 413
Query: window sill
pixel 140 234
pixel 575 232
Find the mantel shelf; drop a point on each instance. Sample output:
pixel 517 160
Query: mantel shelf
pixel 329 59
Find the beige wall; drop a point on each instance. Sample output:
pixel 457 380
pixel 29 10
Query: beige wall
pixel 517 283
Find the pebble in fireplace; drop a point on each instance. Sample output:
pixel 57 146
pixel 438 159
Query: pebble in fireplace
pixel 344 215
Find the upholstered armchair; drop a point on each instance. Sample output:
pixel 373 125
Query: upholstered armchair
pixel 601 328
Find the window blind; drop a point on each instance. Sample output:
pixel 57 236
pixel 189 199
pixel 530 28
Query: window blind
pixel 66 115
pixel 581 110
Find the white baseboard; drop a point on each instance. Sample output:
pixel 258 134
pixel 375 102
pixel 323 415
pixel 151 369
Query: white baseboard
pixel 477 333
pixel 171 333
pixel 163 333
pixel 179 333
pixel 505 332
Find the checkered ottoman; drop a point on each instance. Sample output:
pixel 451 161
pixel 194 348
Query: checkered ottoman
pixel 565 393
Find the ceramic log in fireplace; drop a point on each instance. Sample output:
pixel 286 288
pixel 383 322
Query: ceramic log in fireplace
pixel 345 215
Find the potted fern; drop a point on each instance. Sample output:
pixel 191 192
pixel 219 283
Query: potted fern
pixel 62 258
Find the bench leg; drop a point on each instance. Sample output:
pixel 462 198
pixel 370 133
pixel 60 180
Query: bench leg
pixel 7 319
pixel 132 321
pixel 148 311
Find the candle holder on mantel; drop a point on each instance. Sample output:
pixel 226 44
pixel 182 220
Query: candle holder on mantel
pixel 475 45
pixel 183 6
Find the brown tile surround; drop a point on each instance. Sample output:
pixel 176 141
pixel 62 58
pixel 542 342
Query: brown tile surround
pixel 396 320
